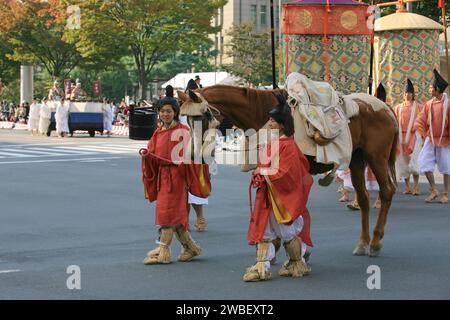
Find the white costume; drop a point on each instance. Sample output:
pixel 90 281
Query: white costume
pixel 44 118
pixel 432 155
pixel 62 118
pixel 33 117
pixel 284 232
pixel 107 117
pixel 191 198
pixel 345 175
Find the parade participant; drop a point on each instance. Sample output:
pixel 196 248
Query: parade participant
pixel 433 124
pixel 45 115
pixel 62 118
pixel 166 182
pixel 78 94
pixel 196 202
pixel 194 84
pixel 409 145
pixel 55 93
pixel 107 117
pixel 280 206
pixel 33 117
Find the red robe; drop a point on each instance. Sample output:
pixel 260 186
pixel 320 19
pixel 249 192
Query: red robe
pixel 423 122
pixel 403 112
pixel 199 180
pixel 291 186
pixel 165 181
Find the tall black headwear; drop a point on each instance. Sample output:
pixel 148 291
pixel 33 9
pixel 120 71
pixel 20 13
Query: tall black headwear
pixel 281 113
pixel 169 91
pixel 409 87
pixel 439 82
pixel 381 93
pixel 192 85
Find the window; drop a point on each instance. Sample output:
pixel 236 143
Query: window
pixel 253 13
pixel 263 15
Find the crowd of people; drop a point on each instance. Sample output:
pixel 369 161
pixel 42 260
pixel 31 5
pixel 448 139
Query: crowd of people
pixel 423 144
pixel 38 115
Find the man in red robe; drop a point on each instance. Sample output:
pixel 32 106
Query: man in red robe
pixel 409 144
pixel 433 124
pixel 280 207
pixel 166 180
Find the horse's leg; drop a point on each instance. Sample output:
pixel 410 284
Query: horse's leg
pixel 358 180
pixel 380 168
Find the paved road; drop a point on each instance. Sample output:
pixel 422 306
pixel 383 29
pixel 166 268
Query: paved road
pixel 88 210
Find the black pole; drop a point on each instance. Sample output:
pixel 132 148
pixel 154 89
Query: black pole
pixel 272 33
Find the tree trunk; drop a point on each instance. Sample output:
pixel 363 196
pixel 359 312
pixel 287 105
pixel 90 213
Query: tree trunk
pixel 142 83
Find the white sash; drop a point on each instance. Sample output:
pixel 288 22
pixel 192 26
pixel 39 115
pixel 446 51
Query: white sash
pixel 444 117
pixel 410 125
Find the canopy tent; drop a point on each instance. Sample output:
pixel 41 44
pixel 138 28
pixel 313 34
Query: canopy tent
pixel 181 80
pixel 329 43
pixel 406 46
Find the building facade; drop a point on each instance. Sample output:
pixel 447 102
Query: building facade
pixel 242 11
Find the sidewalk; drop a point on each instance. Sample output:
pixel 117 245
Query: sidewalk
pixel 117 130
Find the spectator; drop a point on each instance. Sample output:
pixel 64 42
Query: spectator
pixel 33 119
pixel 107 118
pixel 45 115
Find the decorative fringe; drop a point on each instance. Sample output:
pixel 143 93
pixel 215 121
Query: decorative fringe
pixel 294 269
pixel 189 249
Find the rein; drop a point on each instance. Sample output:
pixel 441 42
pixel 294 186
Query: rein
pixel 256 182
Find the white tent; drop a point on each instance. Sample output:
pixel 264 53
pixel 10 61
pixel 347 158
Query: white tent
pixel 181 80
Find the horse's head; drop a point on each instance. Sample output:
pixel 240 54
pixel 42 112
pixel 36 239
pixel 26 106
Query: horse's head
pixel 201 120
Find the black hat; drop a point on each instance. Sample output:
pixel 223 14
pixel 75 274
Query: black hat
pixel 409 87
pixel 191 85
pixel 439 82
pixel 381 93
pixel 169 91
pixel 197 78
pixel 280 113
pixel 169 101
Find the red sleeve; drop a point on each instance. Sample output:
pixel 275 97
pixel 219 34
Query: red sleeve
pixel 420 125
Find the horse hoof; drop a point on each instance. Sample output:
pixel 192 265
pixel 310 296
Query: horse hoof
pixel 375 251
pixel 327 180
pixel 360 250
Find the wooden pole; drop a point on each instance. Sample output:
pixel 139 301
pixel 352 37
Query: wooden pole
pixel 272 33
pixel 444 20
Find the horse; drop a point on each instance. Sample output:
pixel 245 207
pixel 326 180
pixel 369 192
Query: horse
pixel 374 136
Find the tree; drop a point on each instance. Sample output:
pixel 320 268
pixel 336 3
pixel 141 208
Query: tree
pixel 251 54
pixel 427 8
pixel 34 31
pixel 9 70
pixel 145 29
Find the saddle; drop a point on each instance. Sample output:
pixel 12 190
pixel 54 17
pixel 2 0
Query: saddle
pixel 321 117
pixel 320 106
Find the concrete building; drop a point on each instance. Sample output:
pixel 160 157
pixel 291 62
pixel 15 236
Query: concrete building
pixel 240 11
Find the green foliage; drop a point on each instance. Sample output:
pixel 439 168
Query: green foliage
pixel 9 70
pixel 147 30
pixel 34 32
pixel 427 8
pixel 251 54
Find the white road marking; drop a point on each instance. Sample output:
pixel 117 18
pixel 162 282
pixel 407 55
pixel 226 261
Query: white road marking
pixel 9 271
pixel 15 154
pixel 59 160
pixel 32 152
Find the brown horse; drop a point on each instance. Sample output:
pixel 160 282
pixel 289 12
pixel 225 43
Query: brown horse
pixel 374 136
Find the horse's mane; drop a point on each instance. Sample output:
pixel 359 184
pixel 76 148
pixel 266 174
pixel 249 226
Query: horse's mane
pixel 259 102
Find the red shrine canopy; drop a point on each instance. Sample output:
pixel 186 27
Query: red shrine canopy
pixel 332 2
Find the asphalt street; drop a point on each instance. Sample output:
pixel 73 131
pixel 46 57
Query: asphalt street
pixel 79 202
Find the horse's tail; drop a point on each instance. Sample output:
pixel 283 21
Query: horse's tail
pixel 392 157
